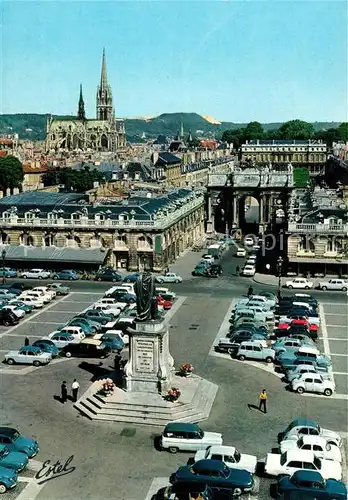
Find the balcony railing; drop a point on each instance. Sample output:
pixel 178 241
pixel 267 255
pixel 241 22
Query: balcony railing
pixel 318 228
pixel 88 223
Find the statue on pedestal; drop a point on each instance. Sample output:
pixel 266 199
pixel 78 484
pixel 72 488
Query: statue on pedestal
pixel 147 308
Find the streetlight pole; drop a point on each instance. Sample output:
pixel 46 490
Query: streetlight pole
pixel 3 255
pixel 279 269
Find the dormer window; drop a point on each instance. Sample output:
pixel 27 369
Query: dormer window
pixel 76 216
pixel 6 215
pixel 99 217
pixel 123 217
pixel 52 216
pixel 29 216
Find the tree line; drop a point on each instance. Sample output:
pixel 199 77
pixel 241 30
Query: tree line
pixel 293 129
pixel 75 180
pixel 11 174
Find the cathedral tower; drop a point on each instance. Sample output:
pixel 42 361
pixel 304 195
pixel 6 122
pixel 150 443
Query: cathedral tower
pixel 81 114
pixel 104 94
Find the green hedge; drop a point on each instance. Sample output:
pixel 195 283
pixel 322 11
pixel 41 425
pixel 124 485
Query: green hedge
pixel 301 177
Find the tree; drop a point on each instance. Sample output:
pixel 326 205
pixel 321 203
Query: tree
pixel 11 173
pixel 342 132
pixel 234 137
pixel 79 181
pixel 296 129
pixel 301 177
pixel 253 131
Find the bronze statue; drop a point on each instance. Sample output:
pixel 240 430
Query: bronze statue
pixel 147 307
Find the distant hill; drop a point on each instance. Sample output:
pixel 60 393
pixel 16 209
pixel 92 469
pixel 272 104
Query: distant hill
pixel 33 126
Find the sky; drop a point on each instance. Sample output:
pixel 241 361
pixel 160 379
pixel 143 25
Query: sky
pixel 271 60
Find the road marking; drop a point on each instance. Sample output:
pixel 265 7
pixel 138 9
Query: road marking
pixel 224 327
pixel 157 484
pixel 265 367
pixel 338 338
pixel 31 491
pixel 22 334
pixel 62 312
pixel 102 292
pixel 336 314
pixel 334 303
pixel 340 373
pixel 342 355
pixel 177 304
pixel 45 323
pixel 26 320
pixel 333 396
pixel 336 326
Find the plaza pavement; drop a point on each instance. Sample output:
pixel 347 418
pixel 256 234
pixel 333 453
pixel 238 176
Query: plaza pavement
pixel 115 461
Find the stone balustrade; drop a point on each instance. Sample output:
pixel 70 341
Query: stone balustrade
pixel 293 227
pixel 84 222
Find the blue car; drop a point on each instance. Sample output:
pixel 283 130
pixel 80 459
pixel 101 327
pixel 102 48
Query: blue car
pixel 115 343
pixel 131 278
pixel 47 346
pixel 88 326
pixel 66 274
pixel 8 272
pixel 15 460
pixel 8 479
pixel 14 441
pixel 309 484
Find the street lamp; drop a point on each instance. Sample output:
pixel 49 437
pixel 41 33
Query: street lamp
pixel 279 270
pixel 3 255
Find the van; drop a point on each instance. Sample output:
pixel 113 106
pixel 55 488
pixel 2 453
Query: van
pixel 124 288
pixel 255 350
pixel 179 436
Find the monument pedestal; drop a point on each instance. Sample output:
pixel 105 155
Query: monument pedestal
pixel 150 366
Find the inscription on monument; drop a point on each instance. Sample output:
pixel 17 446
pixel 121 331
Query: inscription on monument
pixel 144 361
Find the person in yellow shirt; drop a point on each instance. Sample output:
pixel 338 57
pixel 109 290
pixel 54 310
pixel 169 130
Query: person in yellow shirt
pixel 263 401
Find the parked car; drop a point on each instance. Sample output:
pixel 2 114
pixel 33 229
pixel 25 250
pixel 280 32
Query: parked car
pixel 166 304
pixel 30 300
pixel 47 346
pixel 39 274
pixel 299 370
pixel 299 283
pixel 8 479
pixel 8 272
pixel 260 300
pixel 308 382
pixel 169 278
pixel 88 326
pixel 18 287
pixel 108 275
pixel 16 310
pixel 59 288
pixel 15 441
pixel 28 355
pixel 186 491
pixel 334 284
pixel 286 359
pixel 107 309
pixel 316 444
pixel 66 274
pixel 113 341
pixel 304 427
pixel 230 456
pixel 255 350
pixel 5 294
pixel 62 339
pixel 178 436
pixel 241 252
pixel 310 485
pixel 131 278
pixel 248 270
pixel 36 295
pixel 7 318
pixel 14 460
pixel 289 462
pixel 46 291
pixel 249 241
pixel 21 305
pixel 107 320
pixel 199 270
pixel 87 348
pixel 75 331
pixel 217 476
pixel 289 344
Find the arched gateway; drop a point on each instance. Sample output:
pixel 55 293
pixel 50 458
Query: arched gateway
pixel 226 194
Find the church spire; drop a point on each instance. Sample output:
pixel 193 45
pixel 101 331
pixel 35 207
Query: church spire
pixel 182 129
pixel 81 114
pixel 104 94
pixel 103 75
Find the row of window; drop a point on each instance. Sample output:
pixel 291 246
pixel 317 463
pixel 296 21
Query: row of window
pixel 52 216
pixel 275 148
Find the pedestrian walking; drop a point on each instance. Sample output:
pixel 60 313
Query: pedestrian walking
pixel 64 392
pixel 75 389
pixel 250 291
pixel 237 271
pixel 263 401
pixel 26 341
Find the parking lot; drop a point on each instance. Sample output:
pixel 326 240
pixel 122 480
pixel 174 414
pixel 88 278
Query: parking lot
pixel 39 324
pixel 334 342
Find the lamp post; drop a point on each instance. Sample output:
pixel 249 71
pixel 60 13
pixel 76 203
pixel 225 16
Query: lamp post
pixel 3 256
pixel 279 270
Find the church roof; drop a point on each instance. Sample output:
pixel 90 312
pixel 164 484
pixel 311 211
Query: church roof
pixel 166 158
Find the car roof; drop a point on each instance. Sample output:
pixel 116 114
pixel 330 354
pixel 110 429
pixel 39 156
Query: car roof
pixel 8 431
pixel 303 422
pixel 91 342
pixel 303 454
pixel 208 464
pixel 308 475
pixel 32 348
pixel 308 348
pixel 313 440
pixel 178 427
pixel 222 450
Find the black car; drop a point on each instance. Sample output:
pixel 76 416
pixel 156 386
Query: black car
pixel 108 275
pixel 216 268
pixel 7 318
pixel 20 286
pixel 87 348
pixel 217 476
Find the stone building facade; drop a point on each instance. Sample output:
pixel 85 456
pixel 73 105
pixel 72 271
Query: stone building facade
pixel 105 133
pixel 144 234
pixel 310 154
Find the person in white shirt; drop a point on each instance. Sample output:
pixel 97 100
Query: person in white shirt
pixel 75 389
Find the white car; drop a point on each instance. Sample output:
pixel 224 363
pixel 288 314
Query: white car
pixel 208 258
pixel 46 291
pixel 169 278
pixel 28 355
pixel 316 444
pixel 249 270
pixel 107 309
pixel 249 241
pixel 334 284
pixel 15 310
pixel 112 303
pixel 120 334
pixel 259 299
pixel 230 456
pixel 299 283
pixel 124 288
pixel 305 427
pixel 307 382
pixel 306 369
pixel 241 252
pixel 37 295
pixel 31 301
pixel 74 331
pixel 289 462
pixel 61 340
pixel 36 274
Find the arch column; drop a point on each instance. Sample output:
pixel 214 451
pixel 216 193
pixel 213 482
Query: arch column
pixel 236 200
pixel 210 215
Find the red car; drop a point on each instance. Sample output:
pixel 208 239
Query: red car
pixel 166 304
pixel 283 326
pixel 299 321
